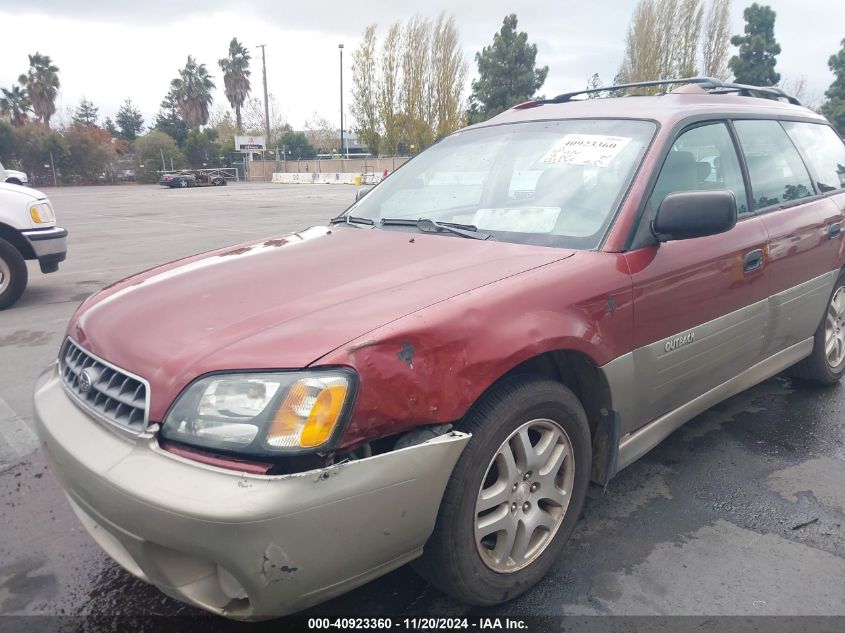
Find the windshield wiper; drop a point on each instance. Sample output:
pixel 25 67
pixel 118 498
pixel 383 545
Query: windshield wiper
pixel 430 226
pixel 351 219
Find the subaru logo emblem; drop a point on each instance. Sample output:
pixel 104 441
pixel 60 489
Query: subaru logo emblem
pixel 85 381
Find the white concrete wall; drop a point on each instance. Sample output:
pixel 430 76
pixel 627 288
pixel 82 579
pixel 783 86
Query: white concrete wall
pixel 330 178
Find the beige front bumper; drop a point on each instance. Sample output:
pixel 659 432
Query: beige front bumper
pixel 289 541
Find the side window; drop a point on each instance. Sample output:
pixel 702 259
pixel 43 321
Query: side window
pixel 701 158
pixel 823 150
pixel 775 168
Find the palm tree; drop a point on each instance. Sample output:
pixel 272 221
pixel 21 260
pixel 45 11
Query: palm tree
pixel 236 73
pixel 192 93
pixel 15 104
pixel 42 85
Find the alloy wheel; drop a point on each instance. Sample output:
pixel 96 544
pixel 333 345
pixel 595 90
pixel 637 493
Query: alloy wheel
pixel 834 336
pixel 524 495
pixel 5 275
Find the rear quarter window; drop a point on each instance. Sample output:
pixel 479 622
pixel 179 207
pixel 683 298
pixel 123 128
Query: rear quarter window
pixel 775 167
pixel 823 150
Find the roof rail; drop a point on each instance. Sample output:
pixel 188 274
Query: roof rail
pixel 716 86
pixel 748 91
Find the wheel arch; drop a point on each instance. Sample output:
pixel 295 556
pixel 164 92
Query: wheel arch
pixel 14 237
pixel 578 372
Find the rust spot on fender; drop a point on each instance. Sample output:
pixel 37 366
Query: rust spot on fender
pixel 407 353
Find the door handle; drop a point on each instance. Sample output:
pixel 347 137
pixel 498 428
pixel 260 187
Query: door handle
pixel 834 231
pixel 753 260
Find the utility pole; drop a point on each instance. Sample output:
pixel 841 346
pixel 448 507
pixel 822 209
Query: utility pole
pixel 266 100
pixel 340 46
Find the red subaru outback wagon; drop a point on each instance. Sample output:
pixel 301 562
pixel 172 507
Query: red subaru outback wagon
pixel 531 304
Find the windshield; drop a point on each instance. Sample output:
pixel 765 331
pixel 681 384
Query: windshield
pixel 552 183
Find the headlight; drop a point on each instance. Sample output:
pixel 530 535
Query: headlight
pixel 41 212
pixel 262 414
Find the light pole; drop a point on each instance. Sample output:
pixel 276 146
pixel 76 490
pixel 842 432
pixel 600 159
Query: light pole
pixel 340 46
pixel 266 108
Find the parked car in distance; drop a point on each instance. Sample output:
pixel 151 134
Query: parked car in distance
pixel 181 179
pixel 13 176
pixel 531 304
pixel 188 178
pixel 27 231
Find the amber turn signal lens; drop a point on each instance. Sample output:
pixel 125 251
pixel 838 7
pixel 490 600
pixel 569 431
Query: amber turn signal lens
pixel 286 423
pixel 324 416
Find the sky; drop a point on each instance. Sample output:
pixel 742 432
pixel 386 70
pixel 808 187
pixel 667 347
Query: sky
pixel 107 50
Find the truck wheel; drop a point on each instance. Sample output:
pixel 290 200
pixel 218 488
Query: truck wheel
pixel 13 274
pixel 515 494
pixel 826 364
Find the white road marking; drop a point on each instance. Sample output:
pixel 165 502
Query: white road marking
pixel 17 439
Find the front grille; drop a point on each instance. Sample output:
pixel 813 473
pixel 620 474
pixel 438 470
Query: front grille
pixel 108 392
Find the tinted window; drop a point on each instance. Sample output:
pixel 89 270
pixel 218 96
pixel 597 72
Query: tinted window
pixel 552 183
pixel 823 150
pixel 776 170
pixel 702 158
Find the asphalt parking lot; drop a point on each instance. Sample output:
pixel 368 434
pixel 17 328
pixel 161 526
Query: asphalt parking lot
pixel 740 512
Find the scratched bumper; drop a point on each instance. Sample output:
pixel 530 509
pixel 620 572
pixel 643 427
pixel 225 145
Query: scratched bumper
pixel 288 541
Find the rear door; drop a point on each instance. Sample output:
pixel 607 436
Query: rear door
pixel 804 230
pixel 700 305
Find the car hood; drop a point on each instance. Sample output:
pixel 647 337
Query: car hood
pixel 26 193
pixel 284 302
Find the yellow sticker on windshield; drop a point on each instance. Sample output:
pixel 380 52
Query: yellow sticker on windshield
pixel 595 150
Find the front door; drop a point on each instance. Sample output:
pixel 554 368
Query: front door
pixel 700 305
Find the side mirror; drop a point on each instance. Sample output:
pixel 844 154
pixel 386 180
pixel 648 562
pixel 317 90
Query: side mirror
pixel 362 191
pixel 688 214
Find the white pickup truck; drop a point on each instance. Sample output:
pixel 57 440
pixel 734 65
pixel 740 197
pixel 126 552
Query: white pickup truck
pixel 13 176
pixel 27 231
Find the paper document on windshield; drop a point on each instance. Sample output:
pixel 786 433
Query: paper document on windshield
pixel 517 220
pixel 596 150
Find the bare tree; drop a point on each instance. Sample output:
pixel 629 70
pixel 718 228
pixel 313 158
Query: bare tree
pixel 253 117
pixel 410 91
pixel 448 73
pixel 662 42
pixel 324 136
pixel 364 107
pixel 799 88
pixel 716 40
pixel 643 46
pixel 685 42
pixel 415 92
pixel 388 97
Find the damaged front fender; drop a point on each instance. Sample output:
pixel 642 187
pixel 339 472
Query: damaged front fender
pixel 245 546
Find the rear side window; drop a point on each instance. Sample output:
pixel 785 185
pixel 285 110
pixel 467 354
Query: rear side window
pixel 823 150
pixel 775 168
pixel 702 158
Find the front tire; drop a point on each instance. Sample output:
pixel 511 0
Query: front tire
pixel 514 496
pixel 826 364
pixel 13 274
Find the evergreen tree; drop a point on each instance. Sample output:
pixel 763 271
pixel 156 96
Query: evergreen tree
pixel 86 114
pixel 834 107
pixel 507 73
pixel 169 121
pixel 109 126
pixel 129 120
pixel 758 50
